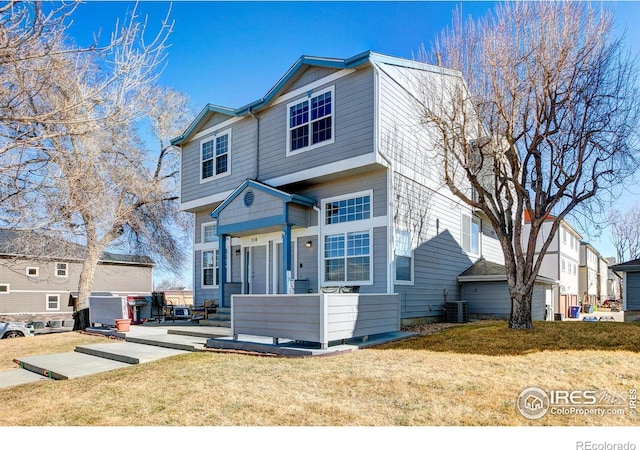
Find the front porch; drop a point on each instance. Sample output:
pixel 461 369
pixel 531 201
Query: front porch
pixel 312 320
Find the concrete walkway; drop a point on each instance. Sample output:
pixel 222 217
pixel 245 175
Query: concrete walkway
pixel 142 344
pixel 150 342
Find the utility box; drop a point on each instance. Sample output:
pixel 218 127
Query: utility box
pixel 457 312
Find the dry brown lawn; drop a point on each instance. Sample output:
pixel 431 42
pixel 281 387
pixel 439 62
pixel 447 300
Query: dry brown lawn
pixel 464 375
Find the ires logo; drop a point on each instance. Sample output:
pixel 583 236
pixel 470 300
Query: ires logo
pixel 534 403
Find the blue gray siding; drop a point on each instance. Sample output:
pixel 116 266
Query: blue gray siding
pixel 491 299
pixel 633 291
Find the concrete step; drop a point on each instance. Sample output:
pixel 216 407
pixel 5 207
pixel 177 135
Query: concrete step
pixel 66 366
pixel 216 323
pixel 179 342
pixel 16 377
pixel 128 352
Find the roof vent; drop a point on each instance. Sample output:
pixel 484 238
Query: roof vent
pixel 248 198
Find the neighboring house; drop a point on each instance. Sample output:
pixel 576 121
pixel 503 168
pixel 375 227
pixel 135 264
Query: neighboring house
pixel 44 285
pixel 588 274
pixel 328 183
pixel 560 263
pixel 614 281
pixel 630 271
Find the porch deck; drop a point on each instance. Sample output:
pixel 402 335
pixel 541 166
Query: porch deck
pixel 315 318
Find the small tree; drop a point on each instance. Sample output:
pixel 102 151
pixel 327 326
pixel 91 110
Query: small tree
pixel 541 116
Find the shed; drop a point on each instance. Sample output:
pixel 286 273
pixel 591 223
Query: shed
pixel 484 288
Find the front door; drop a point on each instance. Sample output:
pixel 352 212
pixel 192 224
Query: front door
pixel 256 270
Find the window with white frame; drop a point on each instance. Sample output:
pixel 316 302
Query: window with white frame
pixel 215 156
pixel 209 232
pixel 470 234
pixel 53 301
pixel 210 268
pixel 5 288
pixel 310 121
pixel 347 257
pixel 348 209
pixel 62 270
pixel 32 271
pixel 404 257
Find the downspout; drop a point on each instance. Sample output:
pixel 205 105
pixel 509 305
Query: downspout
pixel 390 179
pixel 320 247
pixel 257 178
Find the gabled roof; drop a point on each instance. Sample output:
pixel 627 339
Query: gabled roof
pixel 284 196
pixel 367 57
pixel 13 241
pixel 484 270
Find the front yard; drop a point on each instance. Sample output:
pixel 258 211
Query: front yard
pixel 463 375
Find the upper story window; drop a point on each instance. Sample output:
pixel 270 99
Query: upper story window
pixel 310 121
pixel 471 234
pixel 5 288
pixel 32 271
pixel 347 209
pixel 62 270
pixel 215 156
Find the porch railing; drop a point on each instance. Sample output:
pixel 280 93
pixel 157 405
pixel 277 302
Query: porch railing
pixel 320 318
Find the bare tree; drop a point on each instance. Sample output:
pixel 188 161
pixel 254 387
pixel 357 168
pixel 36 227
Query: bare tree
pixel 539 114
pixel 625 233
pixel 85 172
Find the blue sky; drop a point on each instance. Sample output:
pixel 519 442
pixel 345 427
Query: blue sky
pixel 232 53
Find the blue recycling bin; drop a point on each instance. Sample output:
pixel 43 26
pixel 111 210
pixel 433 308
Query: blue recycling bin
pixel 574 312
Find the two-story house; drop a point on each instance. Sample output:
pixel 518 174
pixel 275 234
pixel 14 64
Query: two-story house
pixel 561 263
pixel 42 285
pixel 588 277
pixel 328 182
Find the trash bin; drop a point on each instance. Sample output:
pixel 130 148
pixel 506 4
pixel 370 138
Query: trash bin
pixel 574 312
pixel 587 308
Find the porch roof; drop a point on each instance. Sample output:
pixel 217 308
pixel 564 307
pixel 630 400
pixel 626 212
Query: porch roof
pixel 264 219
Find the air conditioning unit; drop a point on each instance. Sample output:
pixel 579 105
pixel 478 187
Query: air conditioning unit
pixel 456 312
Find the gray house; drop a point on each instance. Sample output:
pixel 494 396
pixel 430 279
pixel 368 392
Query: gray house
pixel 42 286
pixel 328 184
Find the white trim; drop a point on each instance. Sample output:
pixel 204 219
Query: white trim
pixel 411 268
pixel 348 196
pixel 214 138
pixel 316 84
pixel 8 286
pixel 55 269
pixel 309 123
pixel 202 227
pixel 472 218
pixel 325 169
pixel 46 302
pixel 215 267
pixel 37 270
pixel 321 243
pixel 214 128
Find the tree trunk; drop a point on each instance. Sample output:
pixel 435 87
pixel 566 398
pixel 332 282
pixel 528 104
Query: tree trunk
pixel 85 286
pixel 520 318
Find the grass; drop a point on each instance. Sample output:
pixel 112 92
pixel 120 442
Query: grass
pixel 464 375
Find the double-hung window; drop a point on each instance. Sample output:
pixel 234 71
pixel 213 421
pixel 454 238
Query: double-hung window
pixel 62 270
pixel 53 302
pixel 310 121
pixel 347 240
pixel 210 268
pixel 471 234
pixel 215 156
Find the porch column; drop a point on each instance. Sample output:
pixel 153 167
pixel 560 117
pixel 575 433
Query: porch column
pixel 286 258
pixel 222 267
